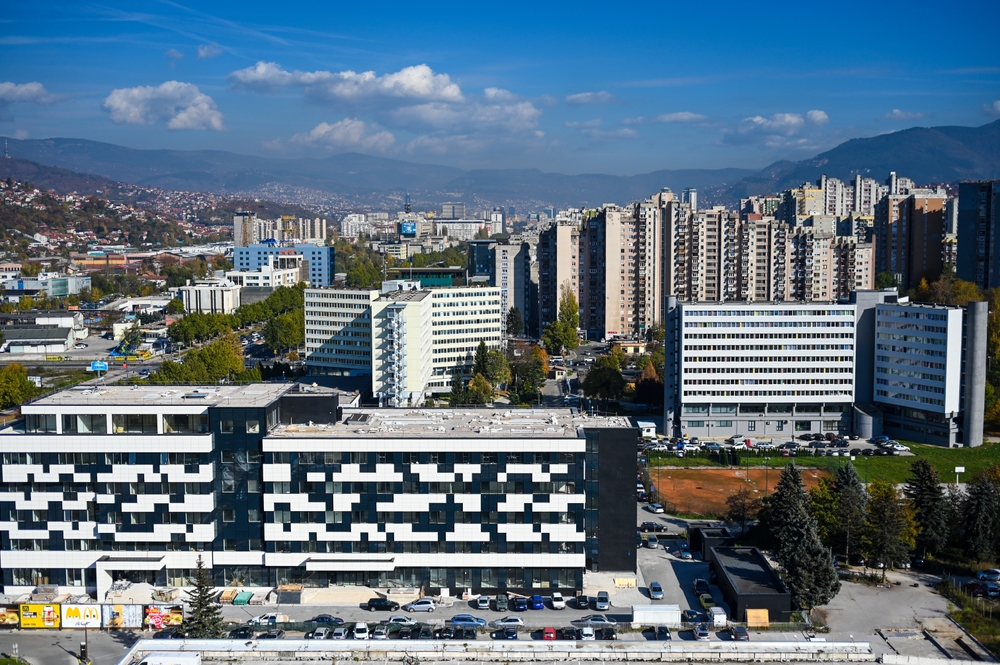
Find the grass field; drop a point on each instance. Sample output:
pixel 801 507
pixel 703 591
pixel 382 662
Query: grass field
pixel 893 469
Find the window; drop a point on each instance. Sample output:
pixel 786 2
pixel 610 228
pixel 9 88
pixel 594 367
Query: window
pixel 137 518
pixel 228 515
pixel 751 425
pixel 226 426
pixel 253 427
pixel 40 424
pixel 780 426
pixel 803 425
pixel 253 515
pixel 253 485
pixel 695 423
pixel 76 577
pixel 723 423
pixel 133 423
pixel 185 424
pixel 85 424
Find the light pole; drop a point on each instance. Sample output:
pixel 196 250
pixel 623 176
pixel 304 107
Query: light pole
pixel 767 467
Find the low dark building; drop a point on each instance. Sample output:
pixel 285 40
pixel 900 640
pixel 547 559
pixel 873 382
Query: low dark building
pixel 703 539
pixel 748 582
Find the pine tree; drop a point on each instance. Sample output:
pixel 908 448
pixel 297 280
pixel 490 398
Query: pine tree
pixel 204 615
pixel 457 389
pixel 979 517
pixel 514 322
pixel 852 508
pixel 807 564
pixel 479 364
pixel 890 530
pixel 924 490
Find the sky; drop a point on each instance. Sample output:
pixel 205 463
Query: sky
pixel 604 87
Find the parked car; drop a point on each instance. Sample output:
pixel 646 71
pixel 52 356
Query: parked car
pixel 508 621
pixel 587 634
pixel 596 620
pixel 701 633
pixel 536 603
pixel 381 632
pixel 447 633
pixel 327 619
pixel 652 527
pixel 520 604
pixel 856 560
pixel 706 601
pixel 683 551
pixel 974 589
pixel 383 604
pixel 361 631
pixel 273 634
pixel 558 602
pixel 691 616
pixel 701 586
pixel 609 633
pixel 468 620
pixel 405 633
pixel 568 634
pixel 426 633
pixel 548 634
pixel 402 620
pixel 242 633
pixel 501 602
pixel 483 603
pixel 421 605
pixel 603 603
pixel 739 634
pixel 663 633
pixel 320 633
pixel 990 575
pixel 652 542
pixel 509 633
pixel 79 345
pixel 655 591
pixel 655 508
pixel 339 633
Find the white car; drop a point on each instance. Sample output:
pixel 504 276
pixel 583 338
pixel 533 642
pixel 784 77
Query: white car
pixel 381 632
pixel 505 622
pixel 339 633
pixel 558 602
pixel 587 634
pixel 483 603
pixel 321 633
pixel 361 631
pixel 898 447
pixel 402 620
pixel 736 438
pixel 655 508
pixel 421 605
pixel 263 620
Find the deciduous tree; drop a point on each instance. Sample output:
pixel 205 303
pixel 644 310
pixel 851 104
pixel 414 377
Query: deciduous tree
pixel 741 507
pixel 891 530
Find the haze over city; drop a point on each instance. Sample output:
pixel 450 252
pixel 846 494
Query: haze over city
pixel 572 88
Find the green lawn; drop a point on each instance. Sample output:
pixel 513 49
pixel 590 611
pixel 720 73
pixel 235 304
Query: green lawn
pixel 894 469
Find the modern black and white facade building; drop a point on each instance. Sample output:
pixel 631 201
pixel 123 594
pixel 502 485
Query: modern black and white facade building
pixel 872 365
pixel 270 485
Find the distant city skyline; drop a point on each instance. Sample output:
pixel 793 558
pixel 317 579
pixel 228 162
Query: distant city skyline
pixel 569 88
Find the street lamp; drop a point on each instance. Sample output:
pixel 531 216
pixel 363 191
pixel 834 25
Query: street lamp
pixel 767 467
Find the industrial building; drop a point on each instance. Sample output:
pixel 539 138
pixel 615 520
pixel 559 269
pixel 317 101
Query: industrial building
pixel 748 583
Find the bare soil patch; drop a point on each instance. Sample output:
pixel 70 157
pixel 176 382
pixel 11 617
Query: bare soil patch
pixel 704 491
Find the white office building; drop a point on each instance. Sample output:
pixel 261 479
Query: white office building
pixel 210 296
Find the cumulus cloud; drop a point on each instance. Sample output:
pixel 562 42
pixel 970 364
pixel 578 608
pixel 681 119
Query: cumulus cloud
pixel 481 115
pixel 584 98
pixel 679 116
pixel 781 130
pixel 21 93
pixel 349 133
pixel 181 105
pixel 207 51
pixel 418 82
pixel 174 54
pixel 992 109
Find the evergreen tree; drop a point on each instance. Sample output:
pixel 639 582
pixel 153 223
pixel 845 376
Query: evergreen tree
pixel 852 509
pixel 979 517
pixel 808 567
pixel 923 489
pixel 515 322
pixel 457 389
pixel 479 365
pixel 204 618
pixel 824 504
pixel 891 529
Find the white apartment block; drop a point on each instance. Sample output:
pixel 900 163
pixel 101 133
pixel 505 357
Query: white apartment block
pixel 354 225
pixel 287 268
pixel 210 296
pixel 407 339
pixel 760 369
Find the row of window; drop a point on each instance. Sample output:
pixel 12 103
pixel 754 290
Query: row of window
pixel 768 370
pixel 766 382
pixel 768 359
pixel 768 347
pixel 132 423
pixel 768 324
pixel 109 459
pixel 767 393
pixel 769 312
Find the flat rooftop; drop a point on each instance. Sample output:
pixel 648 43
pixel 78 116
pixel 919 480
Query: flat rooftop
pixel 447 423
pixel 255 394
pixel 748 569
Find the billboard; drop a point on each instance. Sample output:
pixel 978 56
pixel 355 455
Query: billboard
pixel 121 616
pixel 161 616
pixel 81 616
pixel 9 616
pixel 39 616
pixel 408 229
pixel 98 366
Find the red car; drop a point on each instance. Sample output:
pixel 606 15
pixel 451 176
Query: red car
pixel 548 634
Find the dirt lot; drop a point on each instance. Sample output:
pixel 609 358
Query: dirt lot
pixel 704 491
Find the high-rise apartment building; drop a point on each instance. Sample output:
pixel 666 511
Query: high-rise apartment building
pixel 452 211
pixel 867 193
pixel 979 233
pixel 559 267
pixel 909 230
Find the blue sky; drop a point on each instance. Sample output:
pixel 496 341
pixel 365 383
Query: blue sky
pixel 610 87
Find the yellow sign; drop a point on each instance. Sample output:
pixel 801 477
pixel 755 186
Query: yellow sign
pixel 39 616
pixel 81 616
pixel 757 618
pixel 625 583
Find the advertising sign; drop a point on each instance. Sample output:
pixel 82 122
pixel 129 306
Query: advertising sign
pixel 408 229
pixel 161 616
pixel 81 616
pixel 121 616
pixel 98 366
pixel 9 616
pixel 39 616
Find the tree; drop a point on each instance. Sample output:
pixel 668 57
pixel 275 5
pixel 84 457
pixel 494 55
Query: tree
pixel 285 331
pixel 824 504
pixel 363 274
pixel 891 530
pixel 605 383
pixel 852 508
pixel 742 506
pixel 479 391
pixel 479 364
pixel 30 269
pixel 979 517
pixel 923 489
pixel 885 280
pixel 175 306
pixel 514 322
pixel 204 620
pixel 562 333
pixel 497 370
pixel 457 389
pixel 569 309
pixel 807 564
pixel 649 387
pixel 15 388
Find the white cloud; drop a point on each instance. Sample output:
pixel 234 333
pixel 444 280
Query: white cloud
pixel 418 83
pixel 679 116
pixel 584 124
pixel 582 98
pixel 207 51
pixel 348 133
pixel 181 105
pixel 992 109
pixel 781 130
pixel 174 54
pixel 474 116
pixel 499 95
pixel 897 114
pixel 21 93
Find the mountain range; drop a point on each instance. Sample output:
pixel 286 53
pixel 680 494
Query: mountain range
pixel 924 154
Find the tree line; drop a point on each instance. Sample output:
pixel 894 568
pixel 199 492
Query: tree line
pixel 521 371
pixel 283 310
